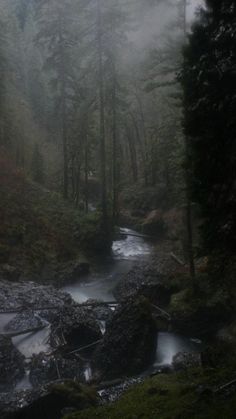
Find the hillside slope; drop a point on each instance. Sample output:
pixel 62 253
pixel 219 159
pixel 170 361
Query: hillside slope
pixel 39 232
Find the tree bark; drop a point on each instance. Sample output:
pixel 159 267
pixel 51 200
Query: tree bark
pixel 86 168
pixel 115 209
pixel 63 111
pixel 102 117
pixel 188 187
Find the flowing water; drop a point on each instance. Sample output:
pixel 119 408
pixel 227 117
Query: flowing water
pixel 126 252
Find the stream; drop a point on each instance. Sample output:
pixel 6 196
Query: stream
pixel 126 252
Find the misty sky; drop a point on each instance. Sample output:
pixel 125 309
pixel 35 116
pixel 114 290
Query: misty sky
pixel 193 4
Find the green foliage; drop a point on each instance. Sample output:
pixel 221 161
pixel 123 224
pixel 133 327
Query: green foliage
pixel 171 397
pixel 210 106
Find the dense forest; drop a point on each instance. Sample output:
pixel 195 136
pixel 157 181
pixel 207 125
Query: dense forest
pixel 117 206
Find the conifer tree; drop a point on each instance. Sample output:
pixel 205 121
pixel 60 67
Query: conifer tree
pixel 210 108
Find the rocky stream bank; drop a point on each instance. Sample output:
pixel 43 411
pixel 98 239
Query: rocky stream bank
pixel 74 355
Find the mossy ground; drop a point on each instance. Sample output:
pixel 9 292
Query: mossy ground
pixel 174 396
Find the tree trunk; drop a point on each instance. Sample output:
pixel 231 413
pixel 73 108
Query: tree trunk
pixel 115 209
pixel 188 188
pixel 86 168
pixel 102 118
pixel 77 189
pixel 63 112
pixel 133 155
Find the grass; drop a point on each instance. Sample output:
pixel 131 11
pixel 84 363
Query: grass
pixel 175 396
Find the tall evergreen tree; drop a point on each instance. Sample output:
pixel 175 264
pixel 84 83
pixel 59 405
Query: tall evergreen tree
pixel 56 36
pixel 209 80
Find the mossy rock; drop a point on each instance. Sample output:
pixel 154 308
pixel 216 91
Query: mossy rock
pixel 129 344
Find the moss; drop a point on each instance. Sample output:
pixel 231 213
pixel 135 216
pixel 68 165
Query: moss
pixel 177 396
pixel 78 395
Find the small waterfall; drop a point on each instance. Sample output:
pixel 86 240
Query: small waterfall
pixel 25 383
pixel 170 344
pixel 102 325
pixel 88 373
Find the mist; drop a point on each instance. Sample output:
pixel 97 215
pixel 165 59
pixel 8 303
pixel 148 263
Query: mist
pixel 117 209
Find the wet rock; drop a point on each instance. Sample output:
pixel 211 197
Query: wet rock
pixel 77 325
pixel 111 393
pixel 186 360
pixel 129 344
pixel 45 369
pixel 11 364
pixel 144 279
pixel 24 321
pixel 101 312
pixel 16 295
pixel 47 402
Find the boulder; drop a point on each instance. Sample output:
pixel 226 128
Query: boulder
pixel 17 295
pixel 77 325
pixel 11 364
pixel 186 360
pixel 129 344
pixel 144 279
pixel 25 321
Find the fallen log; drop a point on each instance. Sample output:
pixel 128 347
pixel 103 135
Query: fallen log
pixel 23 332
pixel 100 303
pixel 176 259
pixel 225 386
pixel 84 347
pixel 21 309
pixel 141 236
pixel 104 385
pixel 162 312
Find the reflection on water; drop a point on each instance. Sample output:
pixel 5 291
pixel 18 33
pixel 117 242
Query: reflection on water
pixel 99 290
pixel 169 344
pixel 100 286
pixel 125 253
